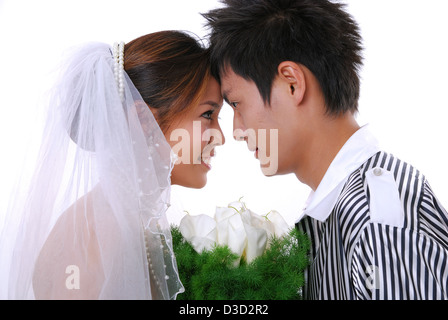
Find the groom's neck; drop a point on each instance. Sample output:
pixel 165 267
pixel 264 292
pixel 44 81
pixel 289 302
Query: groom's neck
pixel 331 135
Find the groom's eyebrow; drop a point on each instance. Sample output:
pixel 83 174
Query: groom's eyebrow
pixel 225 96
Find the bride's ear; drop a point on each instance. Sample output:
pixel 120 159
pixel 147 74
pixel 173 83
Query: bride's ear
pixel 294 78
pixel 141 106
pixel 143 115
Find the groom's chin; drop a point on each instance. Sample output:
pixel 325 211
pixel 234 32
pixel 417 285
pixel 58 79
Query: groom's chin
pixel 269 170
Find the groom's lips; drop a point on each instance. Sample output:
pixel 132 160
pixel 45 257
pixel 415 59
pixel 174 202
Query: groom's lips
pixel 253 150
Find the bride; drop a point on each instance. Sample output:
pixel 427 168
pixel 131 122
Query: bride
pixel 125 123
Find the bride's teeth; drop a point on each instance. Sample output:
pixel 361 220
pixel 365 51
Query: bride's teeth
pixel 207 160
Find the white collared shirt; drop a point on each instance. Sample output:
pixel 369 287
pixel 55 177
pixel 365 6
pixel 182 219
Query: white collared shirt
pixel 377 230
pixel 361 146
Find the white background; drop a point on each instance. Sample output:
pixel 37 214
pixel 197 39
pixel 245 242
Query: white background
pixel 403 94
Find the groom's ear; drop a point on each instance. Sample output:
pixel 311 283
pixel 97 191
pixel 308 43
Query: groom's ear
pixel 294 77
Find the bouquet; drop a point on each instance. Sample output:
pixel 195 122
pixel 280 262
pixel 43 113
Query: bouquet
pixel 239 255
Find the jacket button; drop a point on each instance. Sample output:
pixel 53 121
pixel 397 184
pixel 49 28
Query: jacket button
pixel 377 172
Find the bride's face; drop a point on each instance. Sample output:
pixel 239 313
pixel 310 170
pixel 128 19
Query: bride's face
pixel 194 137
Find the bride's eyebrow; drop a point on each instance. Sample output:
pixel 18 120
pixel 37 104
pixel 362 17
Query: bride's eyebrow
pixel 211 103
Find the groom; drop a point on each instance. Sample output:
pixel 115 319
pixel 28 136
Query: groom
pixel 291 67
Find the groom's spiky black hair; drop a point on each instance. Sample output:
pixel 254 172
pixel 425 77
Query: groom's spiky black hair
pixel 254 36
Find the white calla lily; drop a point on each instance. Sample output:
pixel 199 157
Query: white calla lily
pixel 256 235
pixel 277 225
pixel 199 230
pixel 230 230
pixel 246 233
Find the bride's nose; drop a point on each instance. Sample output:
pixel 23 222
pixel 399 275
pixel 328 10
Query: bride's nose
pixel 220 140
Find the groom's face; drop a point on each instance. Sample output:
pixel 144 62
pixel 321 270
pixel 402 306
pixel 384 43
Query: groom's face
pixel 266 128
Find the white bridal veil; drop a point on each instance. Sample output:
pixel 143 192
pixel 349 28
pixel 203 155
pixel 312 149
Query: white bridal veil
pixel 92 224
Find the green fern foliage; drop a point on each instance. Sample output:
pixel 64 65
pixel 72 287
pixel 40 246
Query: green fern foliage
pixel 217 275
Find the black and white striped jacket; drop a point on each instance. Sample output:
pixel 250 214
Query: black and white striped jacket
pixel 396 251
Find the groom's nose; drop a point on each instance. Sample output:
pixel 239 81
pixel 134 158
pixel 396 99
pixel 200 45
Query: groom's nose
pixel 239 130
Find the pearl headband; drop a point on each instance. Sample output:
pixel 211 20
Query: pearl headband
pixel 118 53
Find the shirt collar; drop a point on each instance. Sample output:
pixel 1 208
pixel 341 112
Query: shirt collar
pixel 361 146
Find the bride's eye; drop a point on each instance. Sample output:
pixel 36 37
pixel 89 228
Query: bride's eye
pixel 208 114
pixel 234 104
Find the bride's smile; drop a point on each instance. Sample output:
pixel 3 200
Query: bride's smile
pixel 194 138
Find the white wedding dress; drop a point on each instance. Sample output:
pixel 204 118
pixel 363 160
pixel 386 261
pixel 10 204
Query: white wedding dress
pixel 92 224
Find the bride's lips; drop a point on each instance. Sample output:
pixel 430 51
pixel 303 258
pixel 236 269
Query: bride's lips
pixel 206 162
pixel 207 159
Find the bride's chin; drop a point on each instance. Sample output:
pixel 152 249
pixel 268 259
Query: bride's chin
pixel 200 183
pixel 197 183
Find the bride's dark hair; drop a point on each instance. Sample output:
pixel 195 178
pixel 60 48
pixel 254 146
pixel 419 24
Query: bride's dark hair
pixel 170 69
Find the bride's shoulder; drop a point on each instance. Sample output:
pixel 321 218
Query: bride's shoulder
pixel 72 244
